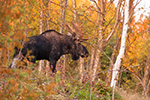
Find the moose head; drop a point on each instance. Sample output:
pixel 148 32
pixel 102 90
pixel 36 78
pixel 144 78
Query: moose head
pixel 79 49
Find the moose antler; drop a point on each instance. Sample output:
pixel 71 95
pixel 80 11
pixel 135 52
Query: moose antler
pixel 76 31
pixel 70 29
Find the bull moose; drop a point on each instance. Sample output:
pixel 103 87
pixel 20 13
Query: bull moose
pixel 50 45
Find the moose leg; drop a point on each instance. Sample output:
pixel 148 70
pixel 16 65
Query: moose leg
pixel 15 60
pixel 53 66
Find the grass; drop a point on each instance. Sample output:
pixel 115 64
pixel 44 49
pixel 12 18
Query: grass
pixel 130 95
pixel 27 84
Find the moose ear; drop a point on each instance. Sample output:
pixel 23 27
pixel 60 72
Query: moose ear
pixel 69 34
pixel 73 35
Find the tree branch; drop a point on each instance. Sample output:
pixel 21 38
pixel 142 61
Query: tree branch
pixel 116 22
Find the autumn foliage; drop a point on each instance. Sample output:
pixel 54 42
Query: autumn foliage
pixel 20 19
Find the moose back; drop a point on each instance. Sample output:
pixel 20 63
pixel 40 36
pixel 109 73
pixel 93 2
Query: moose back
pixel 50 45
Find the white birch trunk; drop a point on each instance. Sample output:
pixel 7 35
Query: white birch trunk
pixel 63 4
pixel 122 47
pixel 81 64
pixel 48 27
pixel 41 63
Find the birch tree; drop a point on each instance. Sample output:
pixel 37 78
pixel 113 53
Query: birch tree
pixel 44 25
pixel 41 63
pixel 122 47
pixel 102 38
pixel 81 60
pixel 47 4
pixel 63 5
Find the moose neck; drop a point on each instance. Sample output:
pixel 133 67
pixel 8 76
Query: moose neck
pixel 70 48
pixel 68 45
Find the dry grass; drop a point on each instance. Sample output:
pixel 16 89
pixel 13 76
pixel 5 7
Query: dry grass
pixel 130 95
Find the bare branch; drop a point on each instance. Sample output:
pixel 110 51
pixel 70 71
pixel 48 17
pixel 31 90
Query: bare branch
pixel 96 5
pixel 116 21
pixel 132 10
pixel 108 7
pixel 109 22
pixel 135 6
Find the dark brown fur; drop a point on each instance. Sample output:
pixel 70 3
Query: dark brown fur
pixel 51 45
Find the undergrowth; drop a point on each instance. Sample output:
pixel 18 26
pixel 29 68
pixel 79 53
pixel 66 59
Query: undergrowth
pixel 27 84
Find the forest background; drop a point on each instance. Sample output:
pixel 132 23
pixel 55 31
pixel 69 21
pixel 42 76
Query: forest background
pixel 89 78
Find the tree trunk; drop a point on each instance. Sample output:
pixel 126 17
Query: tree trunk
pixel 74 10
pixel 148 86
pixel 47 27
pixel 102 42
pixel 81 60
pixel 93 50
pixel 44 25
pixel 81 69
pixel 63 4
pixel 147 72
pixel 41 63
pixel 98 53
pixel 122 47
pixel 146 79
pixel 92 60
